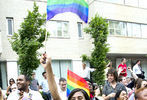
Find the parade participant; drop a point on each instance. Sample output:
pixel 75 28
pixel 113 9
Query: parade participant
pixel 23 92
pixel 122 68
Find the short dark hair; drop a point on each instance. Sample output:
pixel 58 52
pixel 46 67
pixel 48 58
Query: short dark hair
pixel 123 59
pixel 78 90
pixel 43 73
pixel 62 79
pixel 114 72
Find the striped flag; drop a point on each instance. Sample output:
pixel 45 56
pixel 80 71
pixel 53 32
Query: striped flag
pixel 79 7
pixel 75 81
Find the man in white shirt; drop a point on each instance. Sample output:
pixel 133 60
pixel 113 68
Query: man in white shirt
pixel 45 88
pixel 86 70
pixel 23 92
pixel 62 88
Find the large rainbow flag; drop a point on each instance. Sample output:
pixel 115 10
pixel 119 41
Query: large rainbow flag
pixel 79 7
pixel 75 81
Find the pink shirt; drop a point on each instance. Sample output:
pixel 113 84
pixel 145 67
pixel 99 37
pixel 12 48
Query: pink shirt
pixel 124 67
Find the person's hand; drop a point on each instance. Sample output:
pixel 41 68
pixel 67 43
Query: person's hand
pixel 44 60
pixel 129 68
pixel 20 95
pixel 112 95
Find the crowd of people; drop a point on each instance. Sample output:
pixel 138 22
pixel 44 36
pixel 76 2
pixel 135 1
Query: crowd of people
pixel 117 85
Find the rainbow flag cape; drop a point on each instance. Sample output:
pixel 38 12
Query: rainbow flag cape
pixel 79 7
pixel 75 81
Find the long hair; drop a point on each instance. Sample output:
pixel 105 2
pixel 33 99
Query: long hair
pixel 78 90
pixel 1 95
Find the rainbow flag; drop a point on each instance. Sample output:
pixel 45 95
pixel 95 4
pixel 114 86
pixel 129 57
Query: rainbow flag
pixel 79 7
pixel 75 81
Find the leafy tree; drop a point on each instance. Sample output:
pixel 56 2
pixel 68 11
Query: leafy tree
pixel 28 40
pixel 98 29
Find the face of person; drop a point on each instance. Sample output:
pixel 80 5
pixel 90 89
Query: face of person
pixel 84 65
pixel 123 96
pixel 22 84
pixel 124 81
pixel 90 86
pixel 62 85
pixel 143 84
pixel 111 78
pixel 142 95
pixel 124 61
pixel 11 82
pixel 138 63
pixel 33 76
pixel 45 76
pixel 78 96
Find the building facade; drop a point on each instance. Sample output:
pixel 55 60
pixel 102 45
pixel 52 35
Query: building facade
pixel 67 41
pixel 127 29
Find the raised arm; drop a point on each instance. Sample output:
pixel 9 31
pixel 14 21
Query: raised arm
pixel 132 73
pixel 50 77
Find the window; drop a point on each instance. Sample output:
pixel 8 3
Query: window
pixel 58 28
pixel 143 3
pixel 117 28
pixel 60 67
pixel 144 31
pixel 80 27
pixel 133 30
pixel 131 3
pixel 10 26
pixel 115 1
pixel 120 28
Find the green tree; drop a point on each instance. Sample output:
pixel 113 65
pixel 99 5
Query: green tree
pixel 98 29
pixel 28 40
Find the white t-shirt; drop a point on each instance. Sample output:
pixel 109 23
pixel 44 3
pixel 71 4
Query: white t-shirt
pixel 44 85
pixel 137 69
pixel 85 72
pixel 32 95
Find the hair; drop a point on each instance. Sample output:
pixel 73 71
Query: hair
pixel 1 97
pixel 123 59
pixel 114 72
pixel 78 90
pixel 138 83
pixel 137 61
pixel 62 79
pixel 11 79
pixel 43 73
pixel 118 94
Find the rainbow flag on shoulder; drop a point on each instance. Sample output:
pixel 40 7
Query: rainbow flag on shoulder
pixel 75 81
pixel 79 7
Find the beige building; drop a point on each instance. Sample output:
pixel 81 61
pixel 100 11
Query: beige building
pixel 67 42
pixel 127 29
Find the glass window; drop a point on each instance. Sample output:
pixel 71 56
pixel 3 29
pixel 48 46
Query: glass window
pixel 60 67
pixel 132 3
pixel 136 30
pixel 58 28
pixel 143 3
pixel 129 29
pixel 117 28
pixel 144 31
pixel 10 26
pixel 80 30
pixel 133 30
